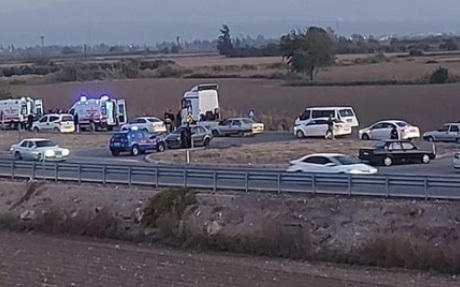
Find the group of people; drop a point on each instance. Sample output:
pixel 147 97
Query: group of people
pixel 172 122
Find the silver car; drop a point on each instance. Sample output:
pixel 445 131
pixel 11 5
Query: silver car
pixel 237 126
pixel 38 149
pixel 447 133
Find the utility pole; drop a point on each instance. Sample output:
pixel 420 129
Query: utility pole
pixel 42 40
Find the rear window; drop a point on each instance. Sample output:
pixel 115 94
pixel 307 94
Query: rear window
pixel 402 124
pixel 154 120
pixel 248 121
pixel 323 113
pixel 346 113
pixel 379 144
pixel 67 118
pixel 119 136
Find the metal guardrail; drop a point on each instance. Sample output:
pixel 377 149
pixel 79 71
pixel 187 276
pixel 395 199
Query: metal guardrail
pixel 247 180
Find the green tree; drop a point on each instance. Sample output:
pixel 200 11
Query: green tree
pixel 224 42
pixel 309 50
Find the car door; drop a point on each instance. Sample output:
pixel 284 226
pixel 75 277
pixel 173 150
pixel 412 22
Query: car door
pixel 377 131
pixel 150 143
pixel 52 122
pixel 22 148
pixel 411 153
pixel 197 136
pixel 442 134
pixel 454 133
pixel 224 127
pixel 396 150
pixel 316 128
pixel 42 123
pixel 317 164
pixel 236 126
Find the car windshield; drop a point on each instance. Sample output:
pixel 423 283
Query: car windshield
pixel 67 118
pixel 346 160
pixel 46 143
pixel 402 124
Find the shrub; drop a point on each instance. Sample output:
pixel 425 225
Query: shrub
pixel 440 76
pixel 165 210
pixel 168 71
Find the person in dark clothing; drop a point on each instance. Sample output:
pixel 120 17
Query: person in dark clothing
pixel 183 139
pixel 168 121
pixel 76 122
pixel 172 118
pixel 394 133
pixel 188 133
pixel 330 129
pixel 178 118
pixel 30 121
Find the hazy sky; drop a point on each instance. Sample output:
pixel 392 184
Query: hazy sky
pixel 148 21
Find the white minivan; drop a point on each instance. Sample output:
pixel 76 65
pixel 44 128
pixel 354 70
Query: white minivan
pixel 344 114
pixel 61 123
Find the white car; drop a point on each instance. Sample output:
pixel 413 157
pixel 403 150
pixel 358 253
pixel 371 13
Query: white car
pixel 330 163
pixel 318 127
pixel 382 130
pixel 151 125
pixel 60 123
pixel 39 149
pixel 237 126
pixel 456 160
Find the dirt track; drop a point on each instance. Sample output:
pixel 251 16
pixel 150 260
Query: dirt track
pixel 427 106
pixel 33 260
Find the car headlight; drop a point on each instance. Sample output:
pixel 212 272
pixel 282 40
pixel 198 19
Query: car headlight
pixel 65 152
pixel 49 153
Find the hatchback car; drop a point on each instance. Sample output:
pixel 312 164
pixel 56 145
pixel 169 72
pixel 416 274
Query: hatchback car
pixel 135 142
pixel 60 123
pixel 447 133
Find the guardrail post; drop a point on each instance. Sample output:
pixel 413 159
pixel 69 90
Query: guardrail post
pixel 185 178
pixel 425 188
pixel 55 172
pixel 349 184
pixel 33 170
pixel 12 170
pixel 104 175
pixel 279 183
pixel 387 186
pixel 215 181
pixel 246 181
pixel 79 173
pixel 156 178
pixel 129 176
pixel 313 183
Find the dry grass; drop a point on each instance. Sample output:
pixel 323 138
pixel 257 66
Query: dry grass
pixel 275 153
pixel 70 141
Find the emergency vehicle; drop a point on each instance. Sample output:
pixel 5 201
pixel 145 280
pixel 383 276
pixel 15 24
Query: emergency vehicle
pixel 14 111
pixel 200 104
pixel 99 114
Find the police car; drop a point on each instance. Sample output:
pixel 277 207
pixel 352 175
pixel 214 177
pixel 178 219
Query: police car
pixel 135 142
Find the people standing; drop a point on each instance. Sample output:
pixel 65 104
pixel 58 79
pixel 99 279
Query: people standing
pixel 172 118
pixel 330 129
pixel 179 119
pixel 30 121
pixel 188 132
pixel 76 122
pixel 394 135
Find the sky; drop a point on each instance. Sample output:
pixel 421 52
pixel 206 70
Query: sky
pixel 150 21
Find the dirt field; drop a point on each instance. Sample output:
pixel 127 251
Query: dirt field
pixel 70 141
pixel 36 260
pixel 427 106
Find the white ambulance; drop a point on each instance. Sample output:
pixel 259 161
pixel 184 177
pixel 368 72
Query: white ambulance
pixel 103 113
pixel 14 112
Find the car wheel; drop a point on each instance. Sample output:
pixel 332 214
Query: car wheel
pixel 161 147
pixel 215 133
pixel 430 139
pixel 426 159
pixel 36 129
pixel 387 161
pixel 115 153
pixel 365 137
pixel 17 156
pixel 206 142
pixel 135 150
pixel 145 130
pixel 300 134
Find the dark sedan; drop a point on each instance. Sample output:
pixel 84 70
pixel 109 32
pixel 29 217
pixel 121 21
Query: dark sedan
pixel 201 137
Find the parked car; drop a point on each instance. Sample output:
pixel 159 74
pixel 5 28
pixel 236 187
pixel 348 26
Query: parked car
pixel 456 160
pixel 382 130
pixel 237 126
pixel 60 123
pixel 447 133
pixel 39 149
pixel 148 124
pixel 318 127
pixel 201 136
pixel 330 163
pixel 389 152
pixel 136 142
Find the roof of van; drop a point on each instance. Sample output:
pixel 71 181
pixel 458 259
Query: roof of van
pixel 327 108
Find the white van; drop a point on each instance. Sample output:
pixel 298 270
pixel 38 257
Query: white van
pixel 61 123
pixel 344 114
